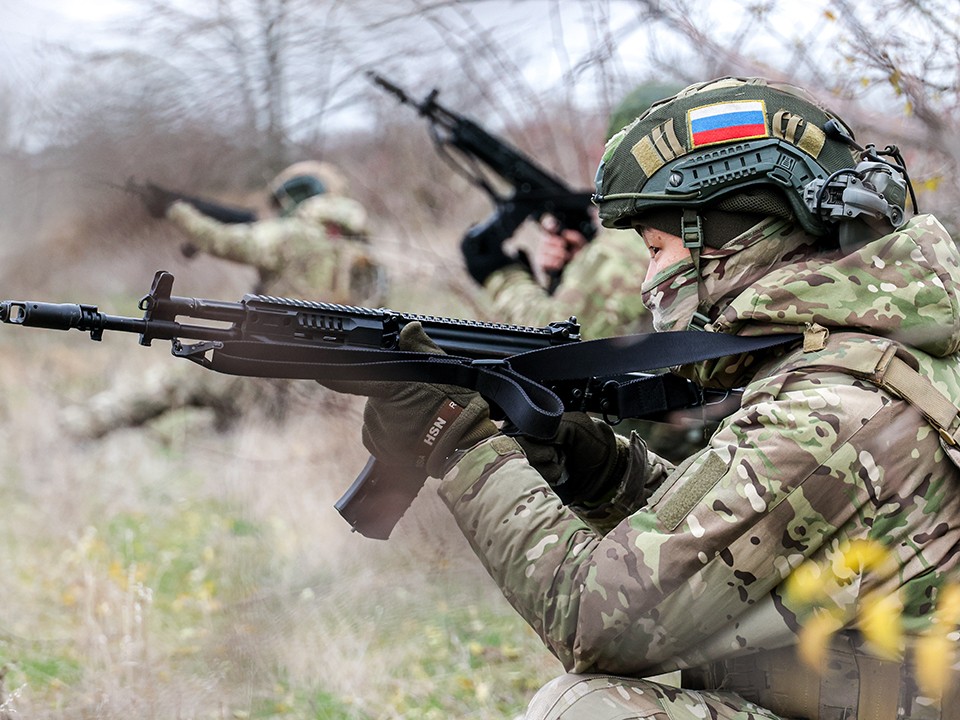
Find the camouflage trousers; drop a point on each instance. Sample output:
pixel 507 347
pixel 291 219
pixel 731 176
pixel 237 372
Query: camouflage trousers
pixel 605 697
pixel 161 389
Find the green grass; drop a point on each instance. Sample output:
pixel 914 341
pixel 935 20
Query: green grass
pixel 181 572
pixel 177 571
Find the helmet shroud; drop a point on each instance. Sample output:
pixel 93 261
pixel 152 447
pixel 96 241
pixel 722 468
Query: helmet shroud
pixel 727 145
pixel 303 180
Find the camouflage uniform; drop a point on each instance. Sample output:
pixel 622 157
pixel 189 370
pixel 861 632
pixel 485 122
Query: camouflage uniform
pixel 600 286
pixel 684 567
pixel 317 251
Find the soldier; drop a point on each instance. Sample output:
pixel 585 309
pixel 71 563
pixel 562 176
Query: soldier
pixel 316 241
pixel 600 284
pixel 600 281
pixel 631 567
pixel 313 246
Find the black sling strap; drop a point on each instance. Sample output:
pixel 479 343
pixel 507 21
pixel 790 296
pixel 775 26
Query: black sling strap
pixel 638 353
pixel 520 384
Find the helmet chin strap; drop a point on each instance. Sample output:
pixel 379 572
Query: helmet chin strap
pixel 691 232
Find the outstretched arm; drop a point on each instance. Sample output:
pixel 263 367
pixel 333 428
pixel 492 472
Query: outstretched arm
pixel 712 544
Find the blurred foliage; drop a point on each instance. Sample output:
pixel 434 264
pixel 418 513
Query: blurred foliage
pixel 878 615
pixel 174 570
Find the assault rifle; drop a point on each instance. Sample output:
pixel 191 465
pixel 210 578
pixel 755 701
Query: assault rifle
pixel 157 199
pixel 530 376
pixel 535 191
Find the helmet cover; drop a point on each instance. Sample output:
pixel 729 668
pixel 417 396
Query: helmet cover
pixel 717 139
pixel 303 180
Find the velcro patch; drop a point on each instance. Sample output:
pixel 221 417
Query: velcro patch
pixel 723 122
pixel 692 491
pixel 657 148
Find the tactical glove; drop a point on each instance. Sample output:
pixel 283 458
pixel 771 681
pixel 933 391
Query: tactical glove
pixel 419 424
pixel 583 462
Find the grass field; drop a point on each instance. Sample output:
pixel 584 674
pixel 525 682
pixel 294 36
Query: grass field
pixel 177 570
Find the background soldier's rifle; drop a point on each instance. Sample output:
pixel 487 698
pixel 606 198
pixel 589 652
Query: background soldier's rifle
pixel 535 191
pixel 530 376
pixel 157 199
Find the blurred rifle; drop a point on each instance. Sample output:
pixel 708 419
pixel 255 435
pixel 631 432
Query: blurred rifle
pixel 535 191
pixel 156 199
pixel 530 376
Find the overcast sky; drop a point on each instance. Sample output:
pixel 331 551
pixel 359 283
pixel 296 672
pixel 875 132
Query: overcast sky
pixel 545 39
pixel 26 25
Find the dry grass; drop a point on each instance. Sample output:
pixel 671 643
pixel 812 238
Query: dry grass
pixel 178 571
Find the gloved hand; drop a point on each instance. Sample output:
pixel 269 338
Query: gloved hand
pixel 419 424
pixel 583 462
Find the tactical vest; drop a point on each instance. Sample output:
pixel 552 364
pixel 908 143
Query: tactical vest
pixel 853 684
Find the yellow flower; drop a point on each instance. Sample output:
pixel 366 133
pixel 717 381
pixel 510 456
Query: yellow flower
pixel 931 184
pixel 935 650
pixel 948 607
pixel 862 555
pixel 934 655
pixel 815 637
pixel 806 583
pixel 879 621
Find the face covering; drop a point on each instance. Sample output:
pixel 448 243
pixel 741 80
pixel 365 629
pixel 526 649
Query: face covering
pixel 671 296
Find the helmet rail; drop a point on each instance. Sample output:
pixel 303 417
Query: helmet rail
pixel 743 136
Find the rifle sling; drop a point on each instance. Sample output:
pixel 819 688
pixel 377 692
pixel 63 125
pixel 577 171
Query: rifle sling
pixel 643 352
pixel 520 384
pixel 533 408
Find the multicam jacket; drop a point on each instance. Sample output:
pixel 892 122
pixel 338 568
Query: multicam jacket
pixel 688 565
pixel 318 252
pixel 600 286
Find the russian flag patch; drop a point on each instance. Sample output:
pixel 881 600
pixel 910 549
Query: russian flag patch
pixel 723 122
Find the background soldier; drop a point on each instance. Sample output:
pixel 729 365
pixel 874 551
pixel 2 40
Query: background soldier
pixel 627 566
pixel 600 283
pixel 314 245
pixel 316 241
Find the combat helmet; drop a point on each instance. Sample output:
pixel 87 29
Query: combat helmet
pixel 746 145
pixel 304 180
